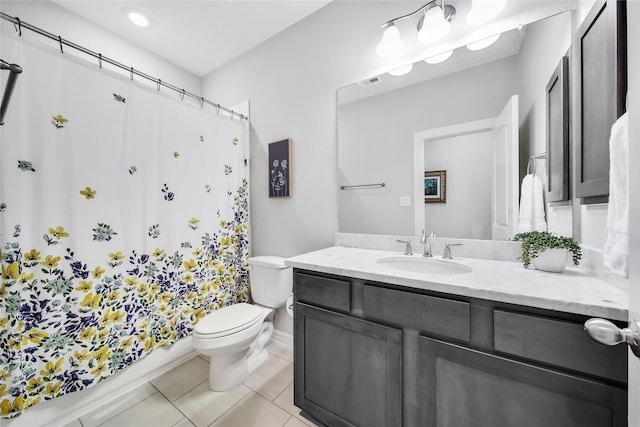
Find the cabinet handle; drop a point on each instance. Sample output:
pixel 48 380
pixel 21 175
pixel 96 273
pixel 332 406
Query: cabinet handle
pixel 607 333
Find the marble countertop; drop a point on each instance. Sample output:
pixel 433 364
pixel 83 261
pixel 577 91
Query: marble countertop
pixel 572 291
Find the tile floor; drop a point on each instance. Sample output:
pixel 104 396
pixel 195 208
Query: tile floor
pixel 181 398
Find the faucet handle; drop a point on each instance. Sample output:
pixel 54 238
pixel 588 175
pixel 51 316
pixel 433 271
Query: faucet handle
pixel 407 249
pixel 447 250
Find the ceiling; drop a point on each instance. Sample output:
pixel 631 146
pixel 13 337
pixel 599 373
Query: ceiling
pixel 203 35
pixel 199 36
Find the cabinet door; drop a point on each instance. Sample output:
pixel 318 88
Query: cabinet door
pixel 558 133
pixel 600 56
pixel 464 387
pixel 347 371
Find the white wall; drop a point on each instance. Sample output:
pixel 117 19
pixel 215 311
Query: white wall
pixel 553 37
pixel 57 20
pixel 468 160
pixel 291 81
pixel 383 127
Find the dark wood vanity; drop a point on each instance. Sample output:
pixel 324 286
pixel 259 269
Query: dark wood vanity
pixel 374 354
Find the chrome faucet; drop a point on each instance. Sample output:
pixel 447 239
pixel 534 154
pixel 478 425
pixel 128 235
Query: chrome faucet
pixel 407 248
pixel 427 245
pixel 447 250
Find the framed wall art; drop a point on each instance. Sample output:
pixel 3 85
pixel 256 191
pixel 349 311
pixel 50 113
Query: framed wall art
pixel 280 168
pixel 435 187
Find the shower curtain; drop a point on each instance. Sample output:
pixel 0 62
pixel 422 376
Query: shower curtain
pixel 123 220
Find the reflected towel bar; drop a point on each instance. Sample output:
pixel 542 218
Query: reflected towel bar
pixel 349 187
pixel 533 159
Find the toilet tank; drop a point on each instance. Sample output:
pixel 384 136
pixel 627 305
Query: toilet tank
pixel 271 281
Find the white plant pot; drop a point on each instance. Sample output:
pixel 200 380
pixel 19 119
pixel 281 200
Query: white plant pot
pixel 552 260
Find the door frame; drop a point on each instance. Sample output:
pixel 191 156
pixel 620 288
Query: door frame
pixel 633 103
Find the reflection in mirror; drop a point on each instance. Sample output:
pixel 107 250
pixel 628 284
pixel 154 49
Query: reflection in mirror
pixel 379 118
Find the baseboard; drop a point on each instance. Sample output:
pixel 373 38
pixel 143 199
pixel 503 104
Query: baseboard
pixel 282 338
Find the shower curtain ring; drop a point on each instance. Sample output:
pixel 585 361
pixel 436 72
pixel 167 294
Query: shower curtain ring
pixel 131 73
pixel 60 41
pixel 182 95
pixel 201 102
pixel 100 60
pixel 232 114
pixel 18 26
pixel 159 83
pixel 217 108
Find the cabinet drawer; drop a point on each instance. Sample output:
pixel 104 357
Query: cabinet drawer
pixel 322 291
pixel 559 343
pixel 432 315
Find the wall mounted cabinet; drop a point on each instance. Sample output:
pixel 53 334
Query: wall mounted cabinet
pixel 600 91
pixel 558 133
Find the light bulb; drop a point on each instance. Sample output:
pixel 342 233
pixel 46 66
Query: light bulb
pixel 484 43
pixel 483 10
pixel 401 71
pixel 391 45
pixel 139 19
pixel 436 59
pixel 434 25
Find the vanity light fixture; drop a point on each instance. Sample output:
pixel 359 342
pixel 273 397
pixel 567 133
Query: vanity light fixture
pixel 434 24
pixel 401 71
pixel 484 43
pixel 139 19
pixel 391 44
pixel 483 10
pixel 441 57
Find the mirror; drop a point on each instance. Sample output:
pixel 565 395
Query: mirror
pixel 379 118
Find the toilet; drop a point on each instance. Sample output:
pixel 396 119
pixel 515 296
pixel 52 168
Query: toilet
pixel 234 337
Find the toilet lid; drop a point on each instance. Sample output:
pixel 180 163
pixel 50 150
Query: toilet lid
pixel 229 319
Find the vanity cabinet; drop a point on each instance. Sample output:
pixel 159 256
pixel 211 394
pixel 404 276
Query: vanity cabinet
pixel 464 387
pixel 375 354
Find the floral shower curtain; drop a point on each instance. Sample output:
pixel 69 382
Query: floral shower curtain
pixel 123 220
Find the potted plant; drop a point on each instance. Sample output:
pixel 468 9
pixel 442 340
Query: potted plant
pixel 548 252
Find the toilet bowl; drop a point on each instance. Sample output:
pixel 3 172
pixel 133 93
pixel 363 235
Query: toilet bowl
pixel 234 337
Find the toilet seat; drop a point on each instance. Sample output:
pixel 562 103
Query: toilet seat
pixel 229 320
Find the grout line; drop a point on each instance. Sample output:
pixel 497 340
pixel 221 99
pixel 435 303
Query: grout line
pixel 280 394
pixel 233 406
pixel 130 407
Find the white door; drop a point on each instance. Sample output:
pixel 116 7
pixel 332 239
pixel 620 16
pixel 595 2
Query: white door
pixel 633 103
pixel 504 196
pixel 633 52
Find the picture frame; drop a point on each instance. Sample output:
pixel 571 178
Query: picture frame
pixel 280 168
pixel 435 186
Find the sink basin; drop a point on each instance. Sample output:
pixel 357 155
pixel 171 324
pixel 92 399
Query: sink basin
pixel 424 265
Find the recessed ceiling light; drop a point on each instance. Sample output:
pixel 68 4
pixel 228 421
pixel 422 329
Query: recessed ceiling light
pixel 139 19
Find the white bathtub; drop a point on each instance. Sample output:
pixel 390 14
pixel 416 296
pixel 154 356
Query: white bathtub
pixel 64 409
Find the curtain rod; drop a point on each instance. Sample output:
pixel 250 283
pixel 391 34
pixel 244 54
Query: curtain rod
pixel 14 70
pixel 63 42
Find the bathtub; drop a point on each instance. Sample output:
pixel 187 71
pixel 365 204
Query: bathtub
pixel 64 409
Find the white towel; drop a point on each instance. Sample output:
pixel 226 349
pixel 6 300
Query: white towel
pixel 531 217
pixel 616 248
